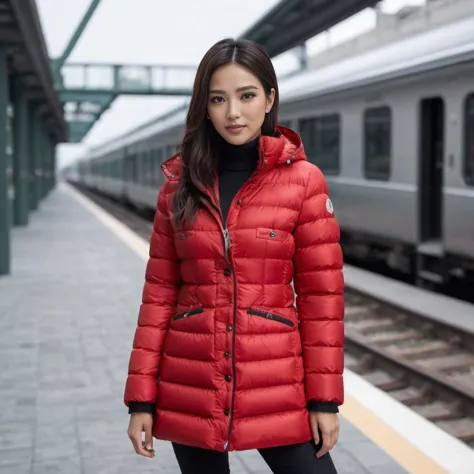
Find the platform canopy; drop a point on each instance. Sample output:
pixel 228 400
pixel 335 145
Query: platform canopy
pixel 22 35
pixel 291 22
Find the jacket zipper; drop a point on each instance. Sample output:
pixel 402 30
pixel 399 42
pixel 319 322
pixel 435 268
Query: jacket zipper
pixel 227 245
pixel 272 316
pixel 187 313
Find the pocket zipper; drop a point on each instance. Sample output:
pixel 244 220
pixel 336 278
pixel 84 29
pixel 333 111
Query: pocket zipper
pixel 187 313
pixel 273 317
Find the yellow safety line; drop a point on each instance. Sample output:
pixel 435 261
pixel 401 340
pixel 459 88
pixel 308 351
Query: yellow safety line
pixel 384 436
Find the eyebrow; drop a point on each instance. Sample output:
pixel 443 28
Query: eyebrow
pixel 240 89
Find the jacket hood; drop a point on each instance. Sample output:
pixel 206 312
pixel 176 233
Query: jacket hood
pixel 284 148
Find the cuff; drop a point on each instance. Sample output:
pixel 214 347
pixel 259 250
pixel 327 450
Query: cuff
pixel 328 407
pixel 143 407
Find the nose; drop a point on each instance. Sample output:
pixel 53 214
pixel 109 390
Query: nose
pixel 233 110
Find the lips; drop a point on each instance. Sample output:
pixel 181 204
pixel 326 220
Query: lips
pixel 235 127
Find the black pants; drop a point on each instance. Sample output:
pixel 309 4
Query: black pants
pixel 292 459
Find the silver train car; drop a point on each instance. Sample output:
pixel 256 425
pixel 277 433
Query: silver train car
pixel 393 131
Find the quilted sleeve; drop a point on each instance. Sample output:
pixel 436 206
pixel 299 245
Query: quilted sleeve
pixel 159 298
pixel 319 287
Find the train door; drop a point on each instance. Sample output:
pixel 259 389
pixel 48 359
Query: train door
pixel 431 170
pixel 430 186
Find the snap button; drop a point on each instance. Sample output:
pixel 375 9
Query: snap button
pixel 183 236
pixel 272 234
pixel 229 327
pixel 288 162
pixel 228 378
pixel 227 272
pixel 226 412
pixel 227 355
pixel 239 201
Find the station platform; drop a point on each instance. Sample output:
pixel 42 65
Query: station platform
pixel 449 311
pixel 68 314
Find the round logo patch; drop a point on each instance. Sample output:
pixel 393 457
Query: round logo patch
pixel 329 206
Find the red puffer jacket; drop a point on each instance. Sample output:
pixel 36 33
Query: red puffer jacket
pixel 220 346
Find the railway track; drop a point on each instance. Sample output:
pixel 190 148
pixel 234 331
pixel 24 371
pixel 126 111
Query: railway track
pixel 422 363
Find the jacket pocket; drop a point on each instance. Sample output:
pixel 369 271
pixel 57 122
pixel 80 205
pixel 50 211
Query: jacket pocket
pixel 272 316
pixel 189 312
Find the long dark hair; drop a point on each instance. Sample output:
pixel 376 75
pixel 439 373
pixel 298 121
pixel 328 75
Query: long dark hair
pixel 198 149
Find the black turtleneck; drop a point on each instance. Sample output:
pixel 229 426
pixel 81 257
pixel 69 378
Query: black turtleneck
pixel 237 163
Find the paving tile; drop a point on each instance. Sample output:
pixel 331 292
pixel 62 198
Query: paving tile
pixel 66 465
pixel 251 461
pixel 17 435
pixel 346 464
pixel 373 458
pixel 63 449
pixel 16 469
pixel 13 456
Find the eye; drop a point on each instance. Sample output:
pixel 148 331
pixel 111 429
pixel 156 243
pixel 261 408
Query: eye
pixel 248 95
pixel 217 99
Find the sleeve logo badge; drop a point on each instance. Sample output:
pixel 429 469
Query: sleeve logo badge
pixel 329 206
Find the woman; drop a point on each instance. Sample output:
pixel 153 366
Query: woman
pixel 222 360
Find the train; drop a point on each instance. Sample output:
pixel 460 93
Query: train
pixel 392 129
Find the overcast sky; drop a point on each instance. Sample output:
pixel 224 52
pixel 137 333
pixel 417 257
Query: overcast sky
pixel 162 32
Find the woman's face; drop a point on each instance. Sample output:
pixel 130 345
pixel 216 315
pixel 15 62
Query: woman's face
pixel 237 103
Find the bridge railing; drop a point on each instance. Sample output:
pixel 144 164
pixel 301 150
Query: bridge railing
pixel 127 79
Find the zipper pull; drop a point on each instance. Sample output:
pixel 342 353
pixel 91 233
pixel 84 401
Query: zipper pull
pixel 226 244
pixel 225 445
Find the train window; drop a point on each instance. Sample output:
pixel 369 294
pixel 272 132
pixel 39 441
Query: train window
pixel 158 161
pixel 141 164
pixel 151 168
pixel 144 167
pixel 377 142
pixel 131 168
pixel 148 167
pixel 117 170
pixel 156 166
pixel 469 140
pixel 170 151
pixel 321 138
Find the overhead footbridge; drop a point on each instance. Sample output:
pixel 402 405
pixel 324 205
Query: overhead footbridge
pixel 292 22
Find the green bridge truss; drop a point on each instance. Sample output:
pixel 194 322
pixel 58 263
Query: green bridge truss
pixel 88 90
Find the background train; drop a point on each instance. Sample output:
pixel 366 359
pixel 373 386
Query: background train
pixel 393 131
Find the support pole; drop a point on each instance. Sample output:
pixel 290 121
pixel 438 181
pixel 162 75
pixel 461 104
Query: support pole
pixel 32 158
pixel 21 145
pixel 44 162
pixel 37 153
pixel 4 166
pixel 53 166
pixel 40 160
pixel 48 164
